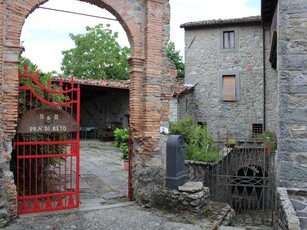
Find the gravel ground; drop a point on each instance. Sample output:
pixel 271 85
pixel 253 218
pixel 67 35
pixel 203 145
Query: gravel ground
pixel 115 217
pixel 102 204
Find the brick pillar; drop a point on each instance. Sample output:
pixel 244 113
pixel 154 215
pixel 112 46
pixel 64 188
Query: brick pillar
pixel 1 71
pixel 12 22
pixel 9 109
pixel 147 171
pixel 10 88
pixel 152 78
pixel 135 105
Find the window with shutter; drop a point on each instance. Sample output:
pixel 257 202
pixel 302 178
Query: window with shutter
pixel 229 88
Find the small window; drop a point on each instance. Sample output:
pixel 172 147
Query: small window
pixel 257 129
pixel 229 88
pixel 202 124
pixel 228 39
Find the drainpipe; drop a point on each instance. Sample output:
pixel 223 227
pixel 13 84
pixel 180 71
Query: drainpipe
pixel 264 79
pixel 130 146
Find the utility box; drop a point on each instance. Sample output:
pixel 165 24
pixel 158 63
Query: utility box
pixel 175 156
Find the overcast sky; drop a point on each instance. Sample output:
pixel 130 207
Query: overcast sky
pixel 46 33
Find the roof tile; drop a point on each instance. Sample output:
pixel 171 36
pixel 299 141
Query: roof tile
pixel 118 84
pixel 215 22
pixel 179 87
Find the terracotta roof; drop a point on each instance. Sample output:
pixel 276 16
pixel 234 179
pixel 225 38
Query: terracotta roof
pixel 218 22
pixel 120 84
pixel 179 88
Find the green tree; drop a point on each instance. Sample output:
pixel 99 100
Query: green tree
pixel 43 79
pixel 175 56
pixel 25 61
pixel 96 55
pixel 27 102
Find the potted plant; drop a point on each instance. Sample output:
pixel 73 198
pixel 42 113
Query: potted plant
pixel 270 142
pixel 230 142
pixel 124 149
pixel 121 142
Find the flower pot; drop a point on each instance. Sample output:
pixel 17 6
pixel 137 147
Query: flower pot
pixel 126 165
pixel 230 143
pixel 230 146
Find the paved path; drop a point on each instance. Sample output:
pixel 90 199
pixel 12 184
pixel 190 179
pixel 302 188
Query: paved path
pixel 103 200
pixel 110 217
pixel 102 177
pixel 103 193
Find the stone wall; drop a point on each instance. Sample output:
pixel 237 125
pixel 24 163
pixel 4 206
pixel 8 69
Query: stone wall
pixel 168 102
pixel 152 190
pixel 206 62
pixel 292 82
pixel 102 111
pixel 191 196
pixel 173 104
pixel 2 135
pixel 151 177
pixel 8 202
pixel 286 217
pixel 271 88
pixel 186 105
pixel 182 106
pixel 199 171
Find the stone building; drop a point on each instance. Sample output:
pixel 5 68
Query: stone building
pixel 224 61
pixel 287 22
pixel 250 73
pixel 104 105
pixel 182 103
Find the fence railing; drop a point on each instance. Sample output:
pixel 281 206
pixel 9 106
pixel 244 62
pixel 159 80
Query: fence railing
pixel 244 175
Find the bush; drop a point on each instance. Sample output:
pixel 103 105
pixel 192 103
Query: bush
pixel 121 141
pixel 200 146
pixel 270 141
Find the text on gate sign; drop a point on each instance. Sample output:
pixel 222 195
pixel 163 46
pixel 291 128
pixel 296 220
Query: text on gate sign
pixel 57 128
pixel 46 120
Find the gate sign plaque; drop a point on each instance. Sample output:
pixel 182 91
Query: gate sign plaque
pixel 175 156
pixel 47 120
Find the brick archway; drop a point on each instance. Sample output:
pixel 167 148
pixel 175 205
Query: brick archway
pixel 147 26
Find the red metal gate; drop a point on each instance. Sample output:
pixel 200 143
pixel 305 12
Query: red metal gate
pixel 47 145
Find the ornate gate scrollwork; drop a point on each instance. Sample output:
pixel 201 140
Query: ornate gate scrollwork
pixel 46 147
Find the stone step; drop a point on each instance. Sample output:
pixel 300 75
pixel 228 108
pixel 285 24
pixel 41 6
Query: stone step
pixel 230 228
pixel 246 228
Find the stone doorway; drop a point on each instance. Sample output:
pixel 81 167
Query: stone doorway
pixel 147 28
